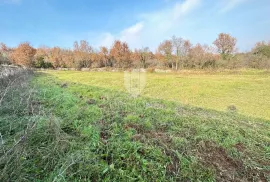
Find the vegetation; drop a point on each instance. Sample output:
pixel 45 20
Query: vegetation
pixel 77 126
pixel 176 54
pixel 212 90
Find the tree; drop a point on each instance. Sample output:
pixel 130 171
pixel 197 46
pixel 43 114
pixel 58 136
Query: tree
pixel 24 55
pixel 201 57
pixel 4 54
pixel 68 58
pixel 225 44
pixel 164 52
pixel 196 56
pixel 120 53
pixel 82 53
pixel 104 56
pixel 55 57
pixel 141 56
pixel 262 48
pixel 42 57
pixel 181 48
pixel 259 57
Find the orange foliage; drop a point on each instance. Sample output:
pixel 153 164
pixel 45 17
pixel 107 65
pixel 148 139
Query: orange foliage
pixel 23 55
pixel 174 53
pixel 120 53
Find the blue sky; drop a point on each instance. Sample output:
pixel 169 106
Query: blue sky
pixel 138 22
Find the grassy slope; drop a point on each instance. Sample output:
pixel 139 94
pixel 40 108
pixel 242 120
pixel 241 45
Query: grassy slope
pixel 247 90
pixel 158 140
pixel 90 132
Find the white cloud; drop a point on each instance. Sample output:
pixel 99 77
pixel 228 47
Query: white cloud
pixel 152 27
pixel 133 34
pixel 130 35
pixel 106 39
pixel 230 4
pixel 185 7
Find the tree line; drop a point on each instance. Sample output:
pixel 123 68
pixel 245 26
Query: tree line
pixel 176 53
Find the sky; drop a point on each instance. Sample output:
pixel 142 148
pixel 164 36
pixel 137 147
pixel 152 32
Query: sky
pixel 140 23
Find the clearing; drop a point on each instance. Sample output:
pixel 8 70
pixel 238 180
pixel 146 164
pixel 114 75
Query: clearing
pixel 84 126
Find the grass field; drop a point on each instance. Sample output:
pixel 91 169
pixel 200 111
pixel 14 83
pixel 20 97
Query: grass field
pixel 84 126
pixel 248 91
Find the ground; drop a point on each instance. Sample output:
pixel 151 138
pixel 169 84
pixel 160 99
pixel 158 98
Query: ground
pixel 247 90
pixel 81 126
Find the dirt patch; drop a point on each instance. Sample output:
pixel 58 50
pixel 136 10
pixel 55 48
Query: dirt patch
pixel 240 147
pixel 226 168
pixel 139 128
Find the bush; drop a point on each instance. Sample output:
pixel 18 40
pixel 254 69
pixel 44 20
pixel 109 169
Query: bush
pixel 40 63
pixel 3 59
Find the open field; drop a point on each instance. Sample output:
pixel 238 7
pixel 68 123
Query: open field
pixel 248 91
pixel 84 126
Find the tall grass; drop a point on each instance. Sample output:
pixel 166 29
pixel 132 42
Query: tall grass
pixel 29 138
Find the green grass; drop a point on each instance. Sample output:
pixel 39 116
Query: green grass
pixel 91 129
pixel 248 90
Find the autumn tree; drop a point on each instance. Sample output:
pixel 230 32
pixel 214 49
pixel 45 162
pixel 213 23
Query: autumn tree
pixel 42 57
pixel 164 52
pixel 120 53
pixel 142 56
pixel 82 54
pixel 225 44
pixel 201 56
pixel 55 57
pixel 196 57
pixel 104 56
pixel 24 55
pixel 95 59
pixel 68 58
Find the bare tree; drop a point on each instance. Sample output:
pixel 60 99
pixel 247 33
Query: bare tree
pixel 178 44
pixel 83 54
pixel 181 48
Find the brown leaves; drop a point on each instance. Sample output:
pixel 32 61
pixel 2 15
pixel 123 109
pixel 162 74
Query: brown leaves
pixel 120 53
pixel 164 52
pixel 24 55
pixel 225 44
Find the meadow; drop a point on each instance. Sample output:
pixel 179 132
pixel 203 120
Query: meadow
pixel 85 126
pixel 247 90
